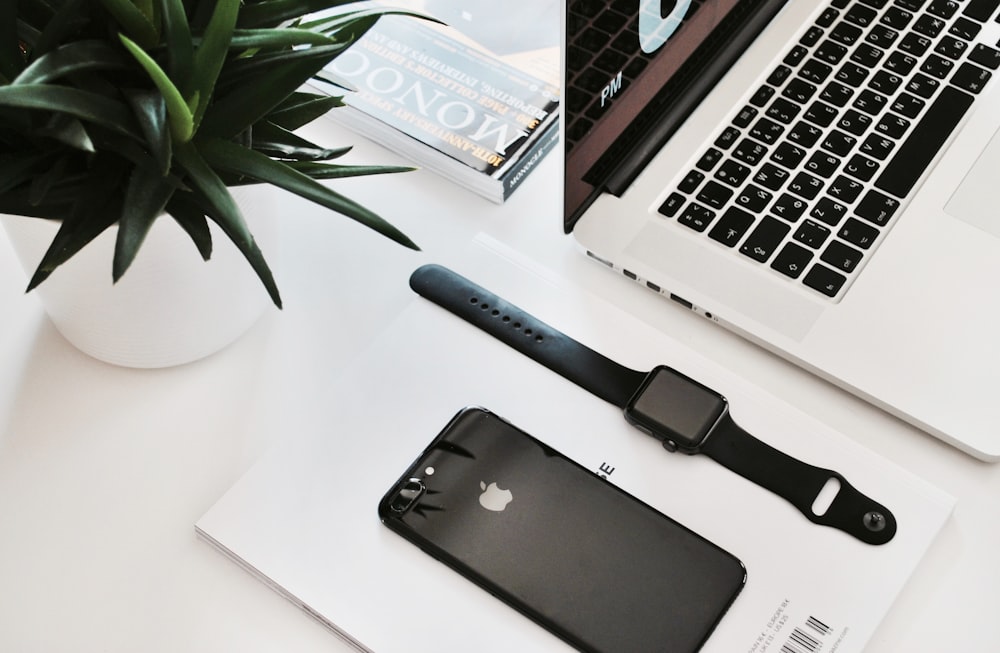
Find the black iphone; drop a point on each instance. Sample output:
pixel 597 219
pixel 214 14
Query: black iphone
pixel 582 558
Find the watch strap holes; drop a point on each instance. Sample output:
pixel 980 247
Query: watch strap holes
pixel 504 317
pixel 826 496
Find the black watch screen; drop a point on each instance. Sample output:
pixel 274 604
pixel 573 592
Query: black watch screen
pixel 675 409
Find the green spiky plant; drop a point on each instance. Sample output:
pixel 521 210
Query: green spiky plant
pixel 118 111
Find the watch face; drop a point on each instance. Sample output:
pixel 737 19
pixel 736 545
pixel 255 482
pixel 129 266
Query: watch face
pixel 676 409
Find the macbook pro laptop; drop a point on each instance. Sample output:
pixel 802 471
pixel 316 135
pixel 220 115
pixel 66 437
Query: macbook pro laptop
pixel 820 177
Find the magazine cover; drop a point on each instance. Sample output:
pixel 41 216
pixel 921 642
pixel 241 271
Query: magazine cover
pixel 474 97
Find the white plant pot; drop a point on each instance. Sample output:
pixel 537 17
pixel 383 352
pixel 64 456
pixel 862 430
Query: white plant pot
pixel 170 307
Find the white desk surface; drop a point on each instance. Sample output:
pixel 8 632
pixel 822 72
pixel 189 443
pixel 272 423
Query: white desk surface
pixel 104 470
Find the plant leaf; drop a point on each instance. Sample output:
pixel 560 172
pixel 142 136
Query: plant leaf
pixel 301 109
pixel 68 19
pixel 222 209
pixel 231 157
pixel 274 80
pixel 180 48
pixel 332 171
pixel 276 39
pixel 181 120
pixel 71 58
pixel 84 105
pixel 146 196
pixel 150 111
pixel 134 22
pixel 278 142
pixel 212 53
pixel 192 219
pixel 69 131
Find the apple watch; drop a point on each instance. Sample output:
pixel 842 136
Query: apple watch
pixel 685 415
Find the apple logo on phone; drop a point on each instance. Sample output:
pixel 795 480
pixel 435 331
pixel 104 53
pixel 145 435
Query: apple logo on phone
pixel 493 498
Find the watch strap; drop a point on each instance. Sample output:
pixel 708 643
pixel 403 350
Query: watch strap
pixel 800 483
pixel 516 328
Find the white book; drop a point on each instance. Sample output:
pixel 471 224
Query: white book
pixel 304 518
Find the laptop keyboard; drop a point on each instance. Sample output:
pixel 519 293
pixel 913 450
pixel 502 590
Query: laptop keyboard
pixel 818 161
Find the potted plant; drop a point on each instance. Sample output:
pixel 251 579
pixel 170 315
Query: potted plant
pixel 115 112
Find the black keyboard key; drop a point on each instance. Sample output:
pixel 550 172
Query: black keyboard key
pixel 986 56
pixel 753 199
pixel 981 10
pixel 858 233
pixel 829 211
pixel 854 122
pixel 764 239
pixel 815 71
pixel 715 195
pixel 965 29
pixel 915 44
pixel 672 205
pixel 867 55
pixel 897 17
pixel 922 85
pixel 812 234
pixel 732 173
pixel 861 168
pixel 937 66
pixel 709 159
pixel 779 76
pixel 792 260
pixel 789 208
pixel 805 185
pixel 846 33
pixel 828 17
pixel 761 97
pixel 886 82
pixel 900 63
pixel 861 15
pixel 924 142
pixel 731 227
pixel 877 208
pixel 822 164
pixel 750 152
pixel 841 257
pixel 812 36
pixel 745 117
pixel 691 182
pixel 839 143
pixel 943 8
pixel 795 57
pixel 767 131
pixel 844 189
pixel 908 105
pixel 804 134
pixel 696 217
pixel 824 280
pixel 852 74
pixel 726 139
pixel 878 147
pixel 882 36
pixel 892 126
pixel 821 114
pixel 928 26
pixel 870 102
pixel 783 111
pixel 951 47
pixel 788 155
pixel 837 94
pixel 830 52
pixel 799 90
pixel 771 176
pixel 971 78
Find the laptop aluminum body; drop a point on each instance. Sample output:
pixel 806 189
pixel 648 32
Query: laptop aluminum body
pixel 916 330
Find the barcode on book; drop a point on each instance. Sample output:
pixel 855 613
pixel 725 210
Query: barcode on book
pixel 806 638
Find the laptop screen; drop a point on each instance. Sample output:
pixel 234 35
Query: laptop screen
pixel 634 70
